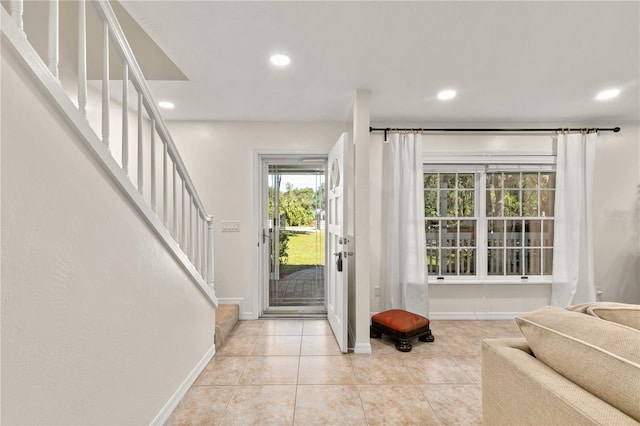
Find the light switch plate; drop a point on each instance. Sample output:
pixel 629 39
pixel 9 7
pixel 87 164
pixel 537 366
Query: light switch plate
pixel 230 226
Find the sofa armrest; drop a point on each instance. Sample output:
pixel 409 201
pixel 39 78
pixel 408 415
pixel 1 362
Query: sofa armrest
pixel 519 389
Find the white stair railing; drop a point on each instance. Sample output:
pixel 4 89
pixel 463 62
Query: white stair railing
pixel 184 219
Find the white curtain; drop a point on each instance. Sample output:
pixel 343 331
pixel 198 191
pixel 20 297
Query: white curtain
pixel 573 280
pixel 406 284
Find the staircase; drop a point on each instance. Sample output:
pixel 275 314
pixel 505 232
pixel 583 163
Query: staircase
pixel 145 164
pixel 227 317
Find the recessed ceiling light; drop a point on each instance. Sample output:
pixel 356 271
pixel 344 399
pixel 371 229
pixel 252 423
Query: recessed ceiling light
pixel 280 60
pixel 166 105
pixel 445 95
pixel 607 94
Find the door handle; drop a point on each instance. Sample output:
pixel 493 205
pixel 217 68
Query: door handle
pixel 265 236
pixel 338 261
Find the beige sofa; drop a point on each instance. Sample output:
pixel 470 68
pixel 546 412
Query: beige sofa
pixel 572 367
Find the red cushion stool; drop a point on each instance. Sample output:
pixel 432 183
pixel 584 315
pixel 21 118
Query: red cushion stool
pixel 401 325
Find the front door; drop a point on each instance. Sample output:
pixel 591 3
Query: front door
pixel 293 236
pixel 337 250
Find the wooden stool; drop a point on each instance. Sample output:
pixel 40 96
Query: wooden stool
pixel 402 326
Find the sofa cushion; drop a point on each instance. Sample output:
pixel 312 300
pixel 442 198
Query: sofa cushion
pixel 600 356
pixel 621 313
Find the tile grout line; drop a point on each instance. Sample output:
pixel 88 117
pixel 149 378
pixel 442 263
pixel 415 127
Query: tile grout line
pixel 295 398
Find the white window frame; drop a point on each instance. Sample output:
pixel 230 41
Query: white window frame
pixel 480 165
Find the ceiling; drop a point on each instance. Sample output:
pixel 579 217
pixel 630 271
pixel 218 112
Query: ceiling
pixel 510 62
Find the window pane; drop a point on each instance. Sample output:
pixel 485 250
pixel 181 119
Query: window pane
pixel 512 180
pixel 511 203
pixel 447 180
pixel 530 180
pixel 467 261
pixel 467 233
pixel 547 261
pixel 513 261
pixel 431 203
pixel 432 261
pixel 465 203
pixel 431 180
pixel 495 237
pixel 451 204
pixel 547 180
pixel 533 233
pixel 547 233
pixel 494 180
pixel 466 181
pixel 449 233
pixel 494 202
pixel 513 234
pixel 449 262
pixel 495 263
pixel 533 263
pixel 529 203
pixel 447 203
pixel 433 234
pixel 547 202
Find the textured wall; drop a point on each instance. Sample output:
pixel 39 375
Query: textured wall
pixel 100 324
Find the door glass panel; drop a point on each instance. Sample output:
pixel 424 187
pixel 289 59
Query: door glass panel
pixel 297 235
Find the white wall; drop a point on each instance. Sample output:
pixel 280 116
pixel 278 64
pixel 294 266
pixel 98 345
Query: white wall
pixel 219 157
pixel 100 324
pixel 220 160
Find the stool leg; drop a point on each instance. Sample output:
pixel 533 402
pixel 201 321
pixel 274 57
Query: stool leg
pixel 403 345
pixel 374 333
pixel 427 337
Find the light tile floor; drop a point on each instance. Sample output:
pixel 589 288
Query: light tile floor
pixel 291 372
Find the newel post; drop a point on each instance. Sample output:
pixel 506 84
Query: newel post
pixel 210 252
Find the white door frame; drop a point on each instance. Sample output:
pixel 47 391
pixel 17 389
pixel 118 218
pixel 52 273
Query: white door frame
pixel 259 179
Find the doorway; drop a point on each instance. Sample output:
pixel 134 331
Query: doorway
pixel 293 236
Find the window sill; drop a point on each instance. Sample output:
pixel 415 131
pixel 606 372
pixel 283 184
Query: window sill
pixel 489 282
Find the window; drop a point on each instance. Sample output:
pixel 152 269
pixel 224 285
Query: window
pixel 451 223
pixel 489 222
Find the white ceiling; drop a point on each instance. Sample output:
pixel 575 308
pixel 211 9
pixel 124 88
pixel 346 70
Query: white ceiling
pixel 511 62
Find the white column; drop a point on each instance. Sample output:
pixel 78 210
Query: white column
pixel 125 118
pixel 196 253
pixel 165 190
pixel 153 164
pixel 105 84
pixel 203 248
pixel 210 252
pixel 183 243
pixel 140 151
pixel 175 203
pixel 82 57
pixel 191 245
pixel 54 30
pixel 16 7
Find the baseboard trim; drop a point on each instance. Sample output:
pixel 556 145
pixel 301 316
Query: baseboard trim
pixel 473 315
pixel 177 396
pixel 362 348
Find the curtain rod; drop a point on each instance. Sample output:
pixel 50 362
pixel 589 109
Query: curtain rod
pixel 386 130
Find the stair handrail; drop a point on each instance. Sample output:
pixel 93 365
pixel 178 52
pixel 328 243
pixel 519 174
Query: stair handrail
pixel 122 45
pixel 196 246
